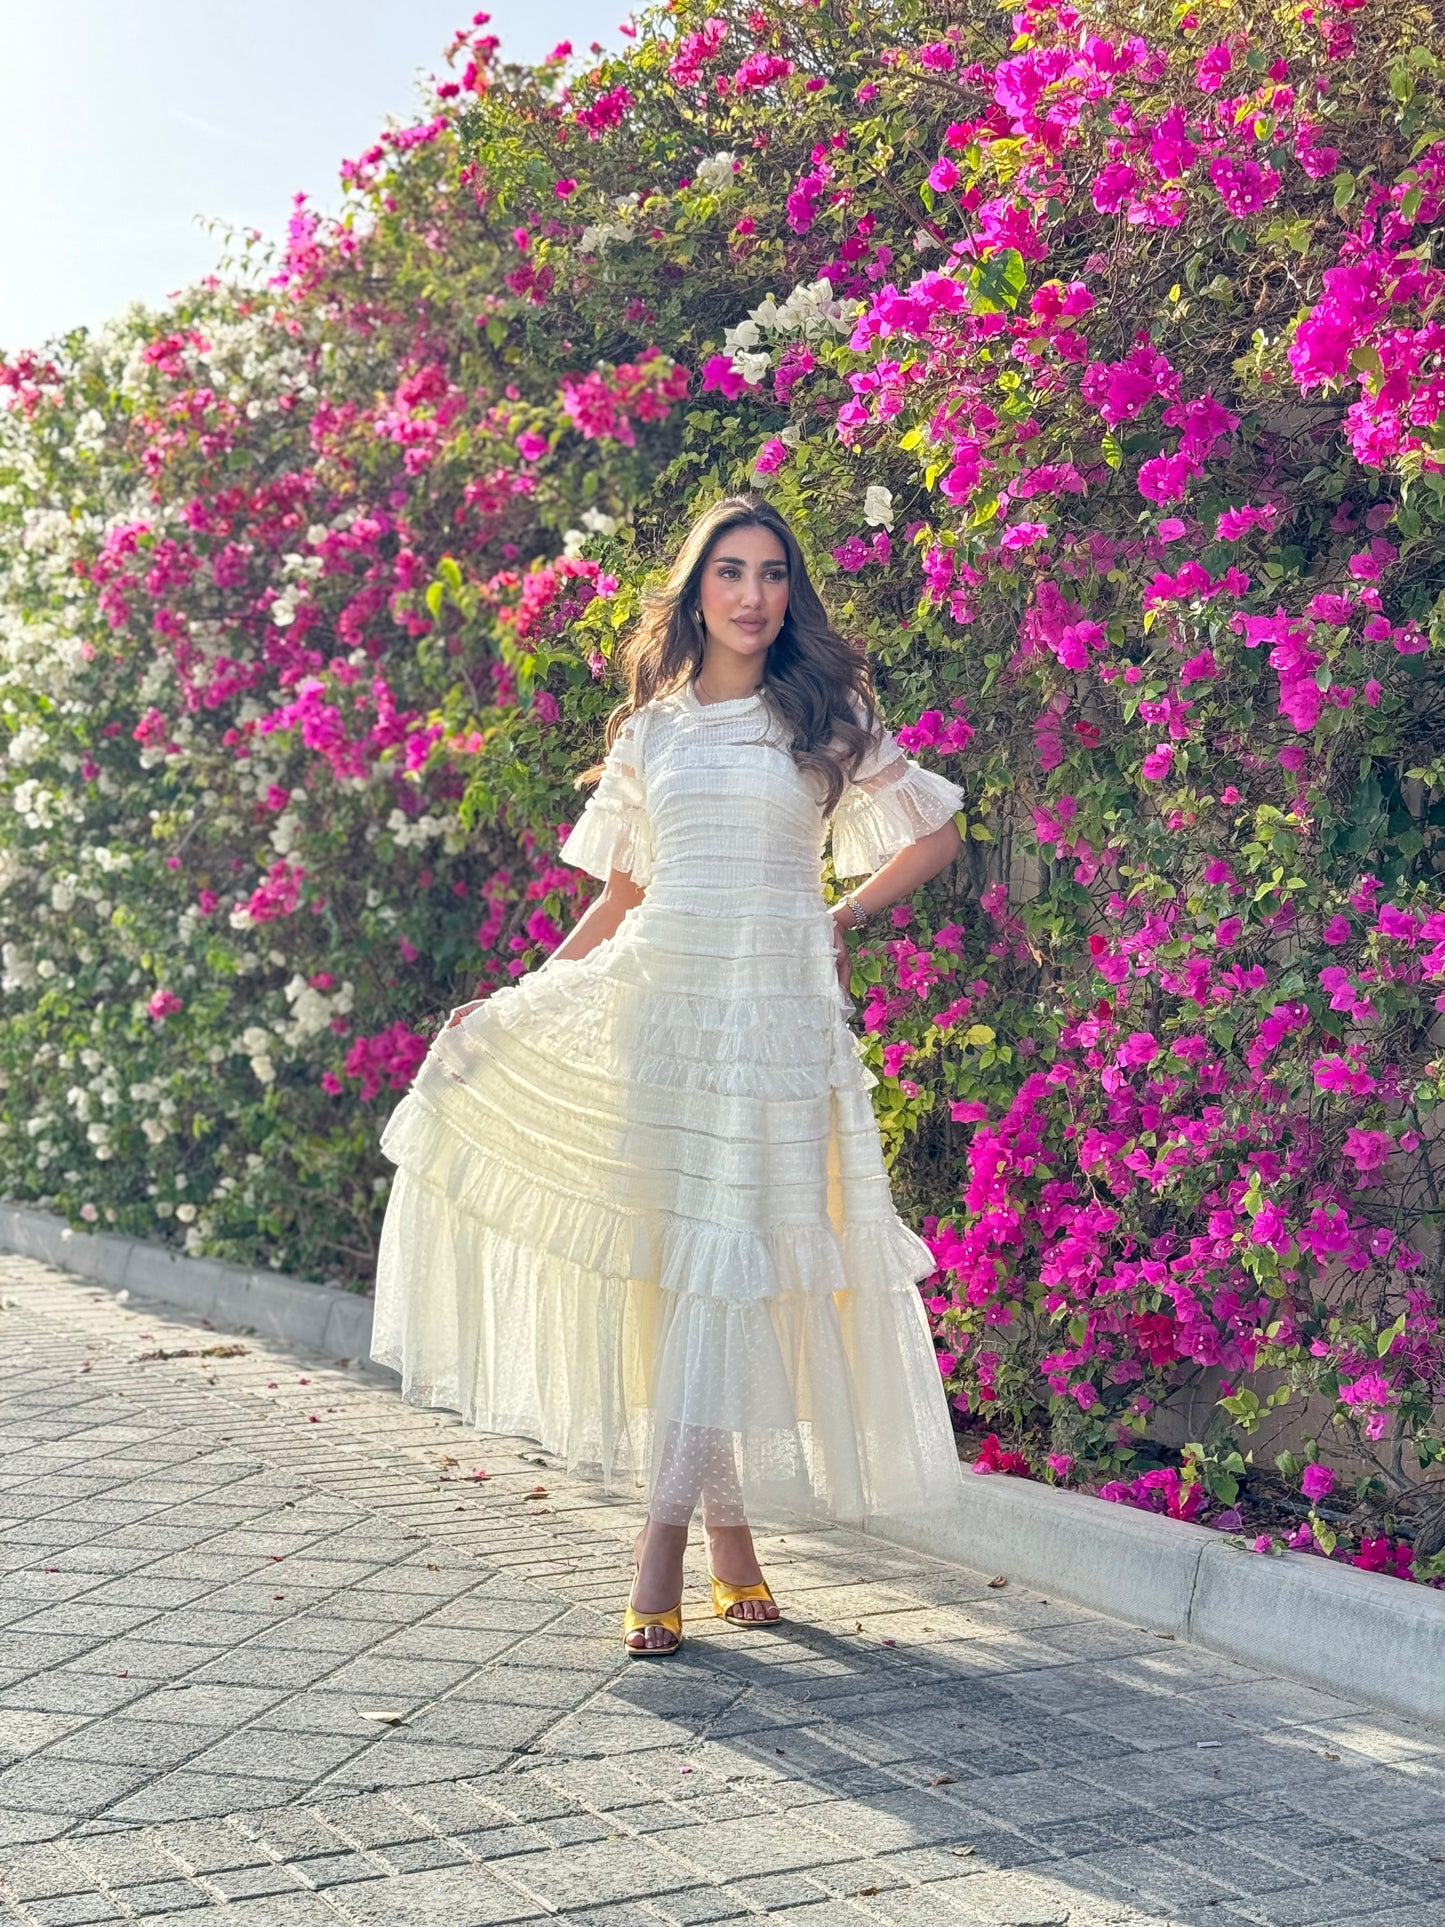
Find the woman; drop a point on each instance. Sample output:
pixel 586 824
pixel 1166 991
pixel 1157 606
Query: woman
pixel 641 1212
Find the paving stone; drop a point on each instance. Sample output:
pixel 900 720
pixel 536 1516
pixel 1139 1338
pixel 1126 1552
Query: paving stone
pixel 75 1787
pixel 397 1762
pixel 35 1873
pixel 85 1619
pixel 36 1652
pixel 243 1883
pixel 413 1856
pixel 73 1910
pixel 186 1795
pixel 274 1910
pixel 370 1820
pixel 696 1905
pixel 148 1660
pixel 823 1913
pixel 599 1871
pixel 773 1892
pixel 739 1847
pixel 132 1742
pixel 161 1897
pixel 1344 1898
pixel 68 1692
pixel 460 1896
pixel 424 1678
pixel 625 1915
pixel 249 1667
pixel 265 1753
pixel 339 1869
pixel 123 1859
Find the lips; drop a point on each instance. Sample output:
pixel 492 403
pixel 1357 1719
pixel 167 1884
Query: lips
pixel 738 624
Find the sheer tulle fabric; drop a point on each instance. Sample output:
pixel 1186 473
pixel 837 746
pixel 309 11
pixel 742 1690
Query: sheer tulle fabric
pixel 640 1211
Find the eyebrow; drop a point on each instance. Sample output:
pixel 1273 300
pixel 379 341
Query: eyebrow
pixel 773 561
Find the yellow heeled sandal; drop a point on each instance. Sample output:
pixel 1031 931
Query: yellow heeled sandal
pixel 725 1597
pixel 634 1621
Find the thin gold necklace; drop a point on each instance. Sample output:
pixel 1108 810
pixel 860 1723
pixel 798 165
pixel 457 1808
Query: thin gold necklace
pixel 709 700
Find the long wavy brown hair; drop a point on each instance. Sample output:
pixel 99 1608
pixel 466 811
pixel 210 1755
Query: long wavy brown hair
pixel 814 679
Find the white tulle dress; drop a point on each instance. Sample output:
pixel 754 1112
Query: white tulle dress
pixel 640 1212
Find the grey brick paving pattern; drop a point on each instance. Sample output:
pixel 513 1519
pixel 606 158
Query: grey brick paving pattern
pixel 266 1647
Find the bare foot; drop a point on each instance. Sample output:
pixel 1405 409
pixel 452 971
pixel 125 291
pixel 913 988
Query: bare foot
pixel 731 1558
pixel 657 1587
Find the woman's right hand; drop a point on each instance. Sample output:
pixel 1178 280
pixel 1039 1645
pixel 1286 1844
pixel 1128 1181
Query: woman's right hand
pixel 461 1011
pixel 842 958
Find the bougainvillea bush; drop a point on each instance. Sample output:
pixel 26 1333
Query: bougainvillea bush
pixel 1096 355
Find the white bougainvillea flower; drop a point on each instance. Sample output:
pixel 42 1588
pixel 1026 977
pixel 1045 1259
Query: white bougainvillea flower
pixel 753 367
pixel 878 505
pixel 808 311
pixel 746 334
pixel 594 239
pixel 716 172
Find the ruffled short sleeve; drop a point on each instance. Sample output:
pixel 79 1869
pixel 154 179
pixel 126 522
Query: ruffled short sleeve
pixel 614 831
pixel 890 803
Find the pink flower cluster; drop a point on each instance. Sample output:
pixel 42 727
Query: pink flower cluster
pixel 603 405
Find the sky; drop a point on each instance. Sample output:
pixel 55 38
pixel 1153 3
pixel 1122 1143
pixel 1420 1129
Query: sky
pixel 121 121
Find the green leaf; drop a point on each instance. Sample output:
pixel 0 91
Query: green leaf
pixel 999 282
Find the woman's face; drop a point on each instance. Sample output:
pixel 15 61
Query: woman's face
pixel 744 591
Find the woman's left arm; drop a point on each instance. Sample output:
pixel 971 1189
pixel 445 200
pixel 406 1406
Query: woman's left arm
pixel 916 864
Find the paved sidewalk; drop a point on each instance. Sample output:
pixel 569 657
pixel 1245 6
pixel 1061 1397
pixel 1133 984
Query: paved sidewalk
pixel 267 1647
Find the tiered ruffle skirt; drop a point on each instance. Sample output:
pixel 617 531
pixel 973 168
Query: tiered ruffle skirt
pixel 625 1202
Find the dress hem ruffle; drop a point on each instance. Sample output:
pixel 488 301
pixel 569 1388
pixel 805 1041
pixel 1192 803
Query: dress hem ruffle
pixel 704 1258
pixel 819 1392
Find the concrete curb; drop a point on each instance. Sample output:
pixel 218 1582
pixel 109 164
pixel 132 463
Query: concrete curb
pixel 1354 1633
pixel 1358 1634
pixel 286 1310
